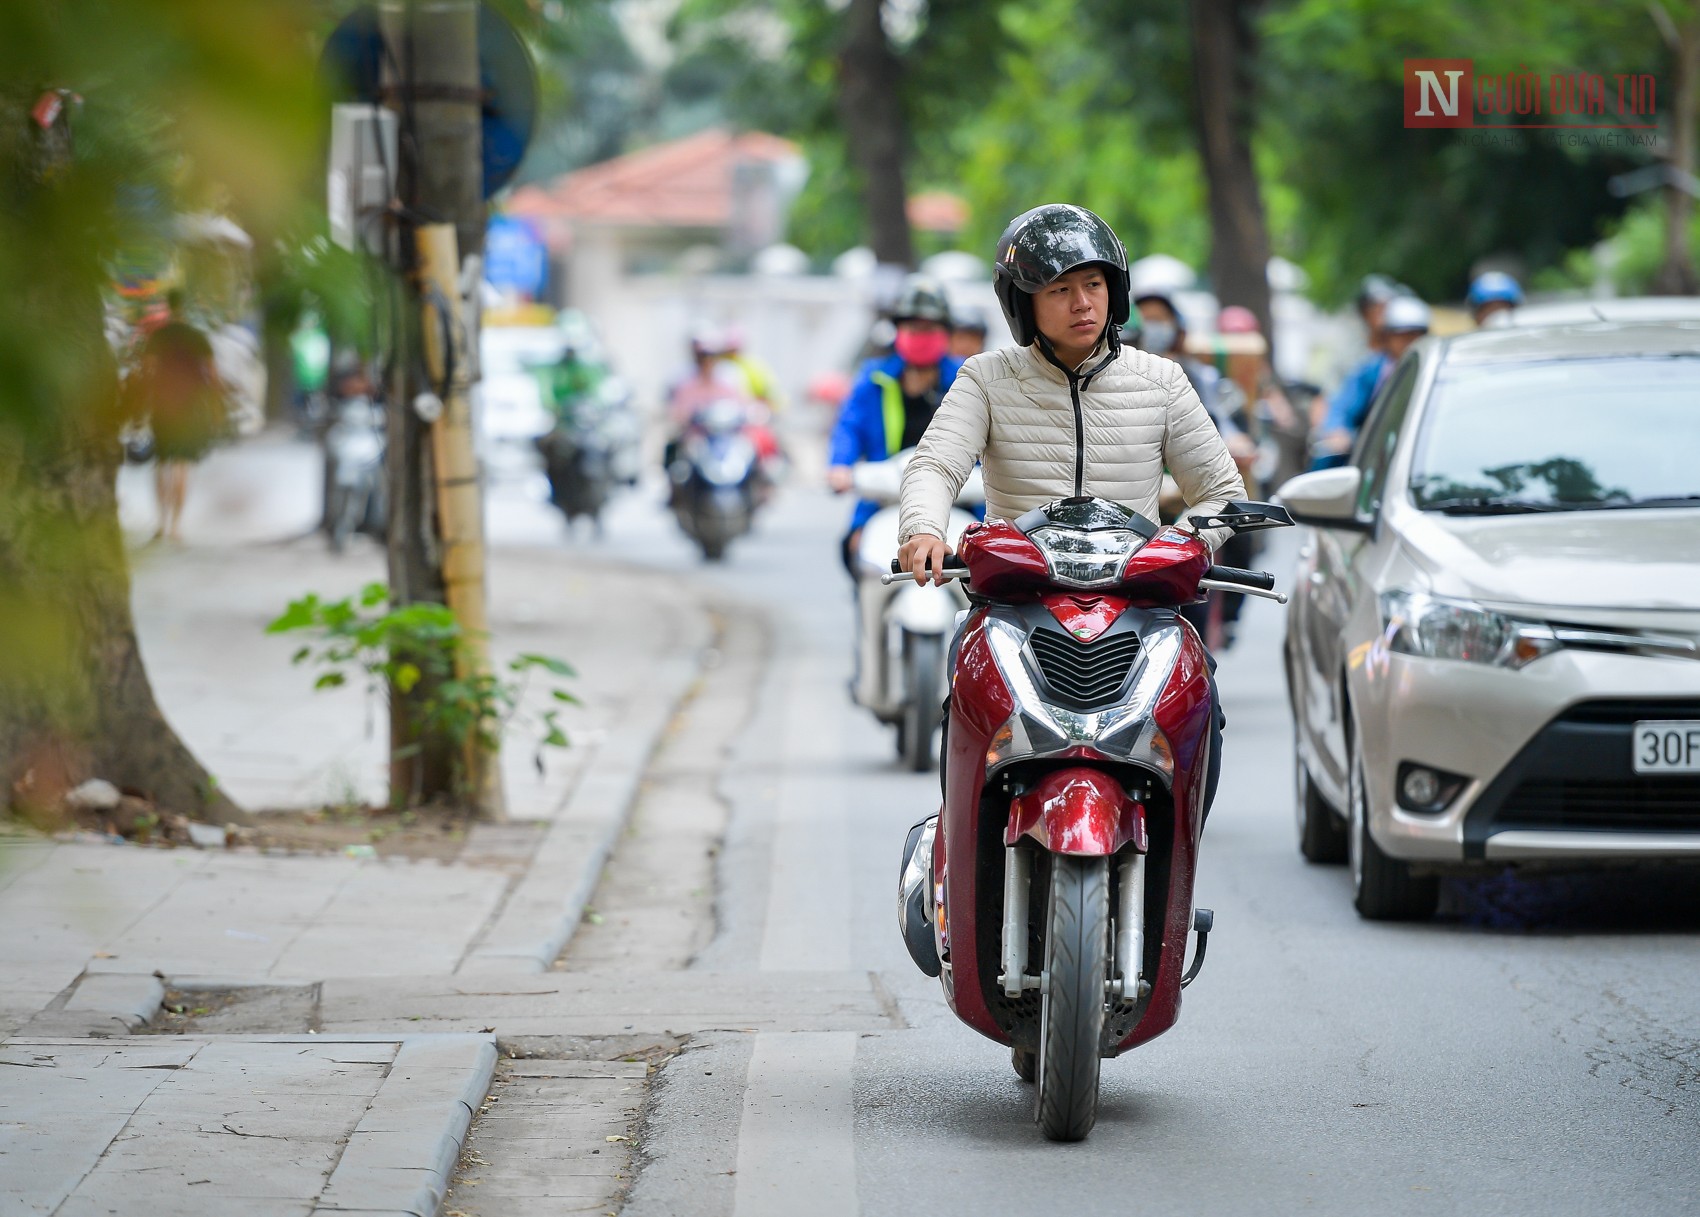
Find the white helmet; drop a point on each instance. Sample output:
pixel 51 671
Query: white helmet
pixel 1405 315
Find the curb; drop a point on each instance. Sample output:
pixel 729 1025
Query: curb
pixel 401 1156
pixel 99 1006
pixel 545 908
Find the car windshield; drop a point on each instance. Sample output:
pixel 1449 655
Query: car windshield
pixel 1562 436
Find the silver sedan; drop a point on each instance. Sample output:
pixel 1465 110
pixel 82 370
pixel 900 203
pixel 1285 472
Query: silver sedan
pixel 1493 651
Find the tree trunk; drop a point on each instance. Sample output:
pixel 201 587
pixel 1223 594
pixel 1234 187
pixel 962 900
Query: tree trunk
pixel 75 701
pixel 870 106
pixel 1224 52
pixel 1676 275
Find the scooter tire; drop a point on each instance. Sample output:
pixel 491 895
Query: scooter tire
pixel 1026 1064
pixel 1071 1011
pixel 923 675
pixel 345 511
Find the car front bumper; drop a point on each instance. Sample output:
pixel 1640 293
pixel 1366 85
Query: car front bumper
pixel 1546 752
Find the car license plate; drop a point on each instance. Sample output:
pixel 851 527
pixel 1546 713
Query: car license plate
pixel 1668 747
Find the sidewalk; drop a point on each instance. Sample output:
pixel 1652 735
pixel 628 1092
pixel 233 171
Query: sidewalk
pixel 94 1119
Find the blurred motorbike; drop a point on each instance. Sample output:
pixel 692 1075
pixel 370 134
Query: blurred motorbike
pixel 717 476
pixel 354 471
pixel 904 628
pixel 577 457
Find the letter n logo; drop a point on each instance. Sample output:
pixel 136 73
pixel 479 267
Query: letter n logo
pixel 1440 93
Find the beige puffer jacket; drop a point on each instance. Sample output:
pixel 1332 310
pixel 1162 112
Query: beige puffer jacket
pixel 1014 411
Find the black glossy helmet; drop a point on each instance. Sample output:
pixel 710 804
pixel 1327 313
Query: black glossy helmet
pixel 1040 246
pixel 922 299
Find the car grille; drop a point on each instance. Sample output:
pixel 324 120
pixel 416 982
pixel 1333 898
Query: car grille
pixel 1626 712
pixel 1084 674
pixel 1669 804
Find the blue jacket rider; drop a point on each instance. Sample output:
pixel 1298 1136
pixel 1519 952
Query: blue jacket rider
pixel 894 398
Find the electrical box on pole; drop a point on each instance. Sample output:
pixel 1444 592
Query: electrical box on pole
pixel 360 178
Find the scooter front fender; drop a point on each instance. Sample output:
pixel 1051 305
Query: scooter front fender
pixel 1078 811
pixel 923 608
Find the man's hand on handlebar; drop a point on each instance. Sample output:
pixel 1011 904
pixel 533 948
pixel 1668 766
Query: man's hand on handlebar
pixel 840 479
pixel 922 555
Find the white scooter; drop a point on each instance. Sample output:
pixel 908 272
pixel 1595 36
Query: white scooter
pixel 904 628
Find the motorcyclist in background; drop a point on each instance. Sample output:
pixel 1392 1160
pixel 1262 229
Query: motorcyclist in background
pixel 895 397
pixel 569 380
pixel 1162 331
pixel 1493 292
pixel 1404 320
pixel 967 332
pixel 711 378
pixel 759 380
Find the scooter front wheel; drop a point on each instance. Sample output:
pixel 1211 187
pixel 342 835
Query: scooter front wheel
pixel 1071 1011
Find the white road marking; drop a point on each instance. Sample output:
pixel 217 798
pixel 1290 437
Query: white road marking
pixel 807 927
pixel 796 1139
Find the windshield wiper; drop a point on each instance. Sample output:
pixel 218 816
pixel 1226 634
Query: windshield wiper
pixel 1482 506
pixel 1661 500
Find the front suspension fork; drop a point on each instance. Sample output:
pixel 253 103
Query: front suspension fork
pixel 1126 984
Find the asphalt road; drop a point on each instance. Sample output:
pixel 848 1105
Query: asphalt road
pixel 1532 1051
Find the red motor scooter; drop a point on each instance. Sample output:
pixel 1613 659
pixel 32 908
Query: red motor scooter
pixel 1053 893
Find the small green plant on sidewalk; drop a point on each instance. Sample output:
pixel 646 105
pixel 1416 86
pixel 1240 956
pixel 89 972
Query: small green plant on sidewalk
pixel 422 646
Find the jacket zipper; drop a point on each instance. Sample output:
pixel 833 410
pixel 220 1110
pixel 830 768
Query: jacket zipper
pixel 1074 387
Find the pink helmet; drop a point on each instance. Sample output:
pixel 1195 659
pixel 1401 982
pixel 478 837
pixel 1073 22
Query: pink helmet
pixel 1237 320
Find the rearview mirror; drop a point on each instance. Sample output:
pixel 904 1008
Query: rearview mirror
pixel 1326 498
pixel 1244 517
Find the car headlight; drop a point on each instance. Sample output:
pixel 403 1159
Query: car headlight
pixel 1437 628
pixel 1085 559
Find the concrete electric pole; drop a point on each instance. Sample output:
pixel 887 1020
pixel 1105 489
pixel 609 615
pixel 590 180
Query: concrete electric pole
pixel 436 543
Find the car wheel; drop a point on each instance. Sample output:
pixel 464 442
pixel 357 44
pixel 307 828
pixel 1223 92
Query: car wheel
pixel 1322 832
pixel 1383 888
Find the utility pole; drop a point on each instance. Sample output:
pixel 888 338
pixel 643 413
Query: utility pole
pixel 436 551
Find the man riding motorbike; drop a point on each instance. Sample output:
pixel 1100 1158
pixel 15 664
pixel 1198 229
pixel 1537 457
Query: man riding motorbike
pixel 1068 411
pixel 896 397
pixel 1404 319
pixel 1493 292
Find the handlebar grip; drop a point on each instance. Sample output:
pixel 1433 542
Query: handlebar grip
pixel 951 562
pixel 1251 578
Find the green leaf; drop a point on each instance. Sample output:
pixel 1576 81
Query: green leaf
pixel 558 667
pixel 330 680
pixel 561 695
pixel 301 655
pixel 406 676
pixel 299 615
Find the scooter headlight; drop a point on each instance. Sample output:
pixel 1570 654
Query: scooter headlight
pixel 1433 627
pixel 1085 559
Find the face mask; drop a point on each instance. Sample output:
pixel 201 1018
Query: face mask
pixel 922 349
pixel 1156 337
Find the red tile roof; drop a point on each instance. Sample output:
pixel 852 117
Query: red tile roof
pixel 683 184
pixel 937 211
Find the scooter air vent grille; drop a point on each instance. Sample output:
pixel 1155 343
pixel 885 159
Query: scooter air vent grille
pixel 1084 674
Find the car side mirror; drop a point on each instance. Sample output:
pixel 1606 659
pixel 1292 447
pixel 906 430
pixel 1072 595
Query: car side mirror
pixel 1326 498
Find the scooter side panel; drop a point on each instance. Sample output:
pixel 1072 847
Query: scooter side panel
pixel 980 704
